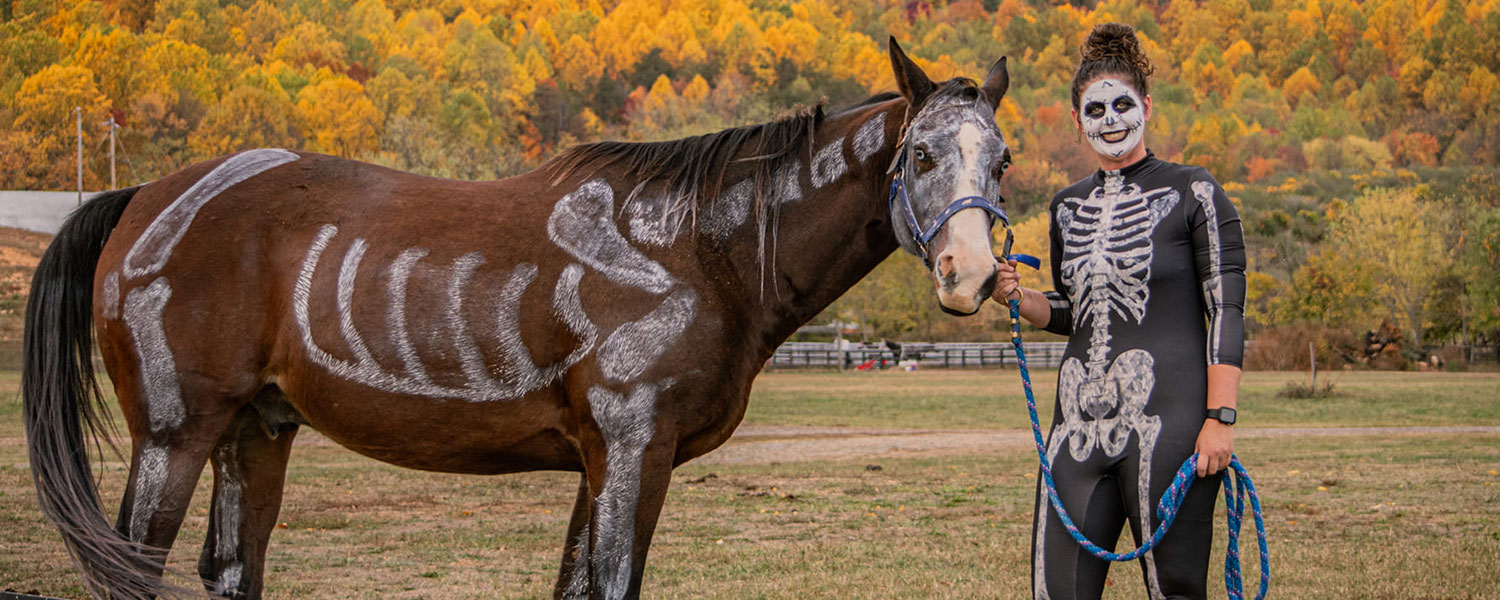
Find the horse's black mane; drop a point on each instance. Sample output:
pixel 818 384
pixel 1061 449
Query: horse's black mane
pixel 693 168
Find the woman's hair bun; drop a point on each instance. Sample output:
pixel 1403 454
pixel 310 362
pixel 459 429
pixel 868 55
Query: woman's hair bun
pixel 1117 41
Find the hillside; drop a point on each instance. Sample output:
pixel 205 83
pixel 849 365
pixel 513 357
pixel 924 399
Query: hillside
pixel 1358 137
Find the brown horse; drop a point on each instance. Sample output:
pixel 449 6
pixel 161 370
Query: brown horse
pixel 604 315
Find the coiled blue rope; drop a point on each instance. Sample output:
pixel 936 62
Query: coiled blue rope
pixel 1235 496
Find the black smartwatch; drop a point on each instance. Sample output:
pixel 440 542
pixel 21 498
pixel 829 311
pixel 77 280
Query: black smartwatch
pixel 1223 415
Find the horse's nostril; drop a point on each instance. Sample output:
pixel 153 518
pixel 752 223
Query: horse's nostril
pixel 945 269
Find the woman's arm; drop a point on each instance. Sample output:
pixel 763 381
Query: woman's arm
pixel 1219 255
pixel 1034 305
pixel 1048 310
pixel 1216 440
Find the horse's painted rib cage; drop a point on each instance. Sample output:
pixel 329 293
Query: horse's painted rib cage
pixel 518 373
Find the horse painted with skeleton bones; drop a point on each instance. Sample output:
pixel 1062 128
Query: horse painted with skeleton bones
pixel 605 314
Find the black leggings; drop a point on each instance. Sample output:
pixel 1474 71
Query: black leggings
pixel 1101 494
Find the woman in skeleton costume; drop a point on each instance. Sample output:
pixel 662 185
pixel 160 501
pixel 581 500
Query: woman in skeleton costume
pixel 1148 266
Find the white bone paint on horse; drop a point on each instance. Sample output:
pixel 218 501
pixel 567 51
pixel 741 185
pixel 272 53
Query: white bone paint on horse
pixel 788 183
pixel 636 345
pixel 654 221
pixel 348 271
pixel 150 479
pixel 143 310
pixel 578 582
pixel 228 515
pixel 151 251
pixel 568 306
pixel 828 164
pixel 582 223
pixel 110 296
pixel 728 211
pixel 399 275
pixel 869 138
pixel 627 422
pixel 518 373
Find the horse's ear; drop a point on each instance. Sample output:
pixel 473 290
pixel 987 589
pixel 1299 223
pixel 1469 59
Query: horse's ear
pixel 995 83
pixel 910 78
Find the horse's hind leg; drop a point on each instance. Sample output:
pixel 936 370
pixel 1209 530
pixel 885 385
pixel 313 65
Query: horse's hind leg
pixel 249 470
pixel 165 464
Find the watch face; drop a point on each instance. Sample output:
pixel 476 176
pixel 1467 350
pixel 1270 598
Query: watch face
pixel 1223 415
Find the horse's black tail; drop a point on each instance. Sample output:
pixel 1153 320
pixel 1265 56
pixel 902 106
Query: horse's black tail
pixel 64 410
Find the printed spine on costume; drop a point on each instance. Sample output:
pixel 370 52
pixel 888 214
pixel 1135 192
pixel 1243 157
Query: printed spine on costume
pixel 63 408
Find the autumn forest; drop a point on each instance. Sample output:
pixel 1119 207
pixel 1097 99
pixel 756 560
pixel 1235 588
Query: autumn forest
pixel 1359 139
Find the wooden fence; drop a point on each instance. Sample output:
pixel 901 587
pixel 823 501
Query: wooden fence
pixel 826 355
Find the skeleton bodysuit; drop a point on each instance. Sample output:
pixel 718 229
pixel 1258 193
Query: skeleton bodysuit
pixel 1139 257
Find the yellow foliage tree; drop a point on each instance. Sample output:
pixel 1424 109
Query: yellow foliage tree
pixel 578 66
pixel 396 95
pixel 47 99
pixel 310 44
pixel 247 117
pixel 338 118
pixel 104 52
pixel 1032 238
pixel 696 91
pixel 1301 83
pixel 1479 91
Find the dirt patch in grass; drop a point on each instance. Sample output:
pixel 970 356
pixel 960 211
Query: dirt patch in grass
pixel 753 444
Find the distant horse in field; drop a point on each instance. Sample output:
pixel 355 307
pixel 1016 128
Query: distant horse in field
pixel 605 314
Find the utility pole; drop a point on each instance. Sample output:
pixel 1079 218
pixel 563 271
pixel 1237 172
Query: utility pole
pixel 78 112
pixel 112 127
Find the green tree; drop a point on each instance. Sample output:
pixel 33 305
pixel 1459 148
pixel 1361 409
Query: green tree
pixel 1398 242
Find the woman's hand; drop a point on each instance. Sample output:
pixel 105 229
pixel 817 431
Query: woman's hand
pixel 1007 282
pixel 1215 445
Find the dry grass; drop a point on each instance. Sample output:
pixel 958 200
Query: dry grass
pixel 992 399
pixel 1387 516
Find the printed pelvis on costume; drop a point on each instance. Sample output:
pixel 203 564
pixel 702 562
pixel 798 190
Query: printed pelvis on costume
pixel 1102 412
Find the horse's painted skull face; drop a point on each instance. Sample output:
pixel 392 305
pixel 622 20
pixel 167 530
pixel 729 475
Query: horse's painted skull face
pixel 952 150
pixel 955 150
pixel 1112 116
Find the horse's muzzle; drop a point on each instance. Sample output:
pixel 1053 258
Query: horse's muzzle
pixel 975 302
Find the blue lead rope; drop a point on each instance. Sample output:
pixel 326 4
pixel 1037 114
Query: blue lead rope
pixel 1166 510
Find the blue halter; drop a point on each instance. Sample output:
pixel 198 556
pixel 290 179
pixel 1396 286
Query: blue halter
pixel 923 236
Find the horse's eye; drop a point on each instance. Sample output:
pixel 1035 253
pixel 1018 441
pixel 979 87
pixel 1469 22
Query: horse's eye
pixel 922 155
pixel 1004 166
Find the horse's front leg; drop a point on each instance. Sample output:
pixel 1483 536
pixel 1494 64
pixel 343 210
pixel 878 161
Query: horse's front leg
pixel 629 482
pixel 573 577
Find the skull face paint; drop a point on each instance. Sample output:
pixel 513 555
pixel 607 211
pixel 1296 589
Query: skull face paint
pixel 1113 117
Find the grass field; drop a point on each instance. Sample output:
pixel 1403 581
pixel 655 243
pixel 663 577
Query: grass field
pixel 1394 514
